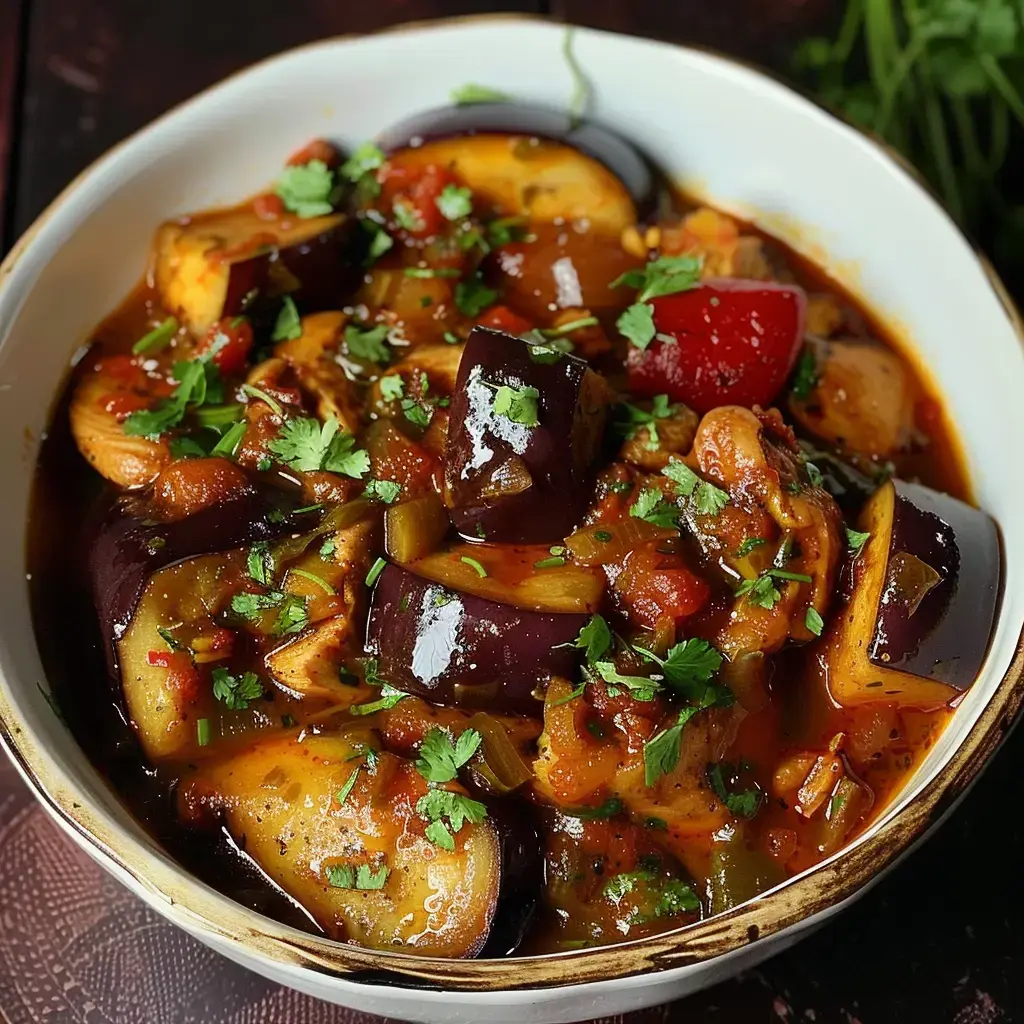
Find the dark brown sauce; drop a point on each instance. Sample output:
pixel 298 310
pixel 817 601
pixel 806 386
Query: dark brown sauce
pixel 72 648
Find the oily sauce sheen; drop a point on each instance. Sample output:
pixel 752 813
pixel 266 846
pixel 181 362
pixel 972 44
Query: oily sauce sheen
pixel 593 821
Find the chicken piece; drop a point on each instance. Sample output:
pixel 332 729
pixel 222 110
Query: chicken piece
pixel 716 238
pixel 191 485
pixel 103 399
pixel 861 400
pixel 339 831
pixel 312 357
pixel 754 457
pixel 309 665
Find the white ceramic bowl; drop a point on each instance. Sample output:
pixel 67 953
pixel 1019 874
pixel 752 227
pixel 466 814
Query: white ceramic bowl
pixel 728 134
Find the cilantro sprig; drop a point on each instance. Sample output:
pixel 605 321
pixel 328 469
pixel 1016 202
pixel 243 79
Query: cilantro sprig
pixel 308 189
pixel 632 419
pixel 305 445
pixel 236 692
pixel 447 812
pixel 666 275
pixel 347 876
pixel 707 499
pixel 519 405
pixel 440 759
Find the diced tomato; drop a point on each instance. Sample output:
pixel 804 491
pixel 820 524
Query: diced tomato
pixel 181 673
pixel 417 195
pixel 123 404
pixel 501 318
pixel 394 457
pixel 124 368
pixel 232 356
pixel 318 149
pixel 268 206
pixel 734 342
pixel 654 585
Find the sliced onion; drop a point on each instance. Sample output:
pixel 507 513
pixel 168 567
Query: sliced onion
pixel 338 518
pixel 508 478
pixel 604 543
pixel 909 580
pixel 413 529
pixel 503 767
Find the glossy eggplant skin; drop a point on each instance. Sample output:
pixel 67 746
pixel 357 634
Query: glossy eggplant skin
pixel 621 157
pixel 946 636
pixel 522 876
pixel 452 648
pixel 127 550
pixel 508 482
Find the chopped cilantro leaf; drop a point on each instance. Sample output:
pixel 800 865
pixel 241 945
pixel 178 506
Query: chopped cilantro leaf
pixel 666 275
pixel 380 240
pixel 708 499
pixel 458 808
pixel 473 296
pixel 570 696
pixel 805 376
pixel 365 159
pixel 517 404
pixel 813 621
pixel 392 387
pixel 440 759
pixel 386 491
pixel 197 382
pixel 455 203
pixel 612 806
pixel 633 419
pixel 229 441
pixel 345 876
pixel 761 592
pixel 506 230
pixel 640 687
pixel 236 691
pixel 856 540
pixel 306 189
pixel 744 804
pixel 259 563
pixel 473 93
pixel 417 413
pixel 636 324
pixel 595 638
pixel 661 752
pixel 748 545
pixel 292 616
pixel 407 217
pixel 652 507
pixel 303 444
pixel 327 548
pixel 288 324
pixel 368 344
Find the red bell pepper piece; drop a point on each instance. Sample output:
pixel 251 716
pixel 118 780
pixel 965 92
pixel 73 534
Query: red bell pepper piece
pixel 232 354
pixel 735 343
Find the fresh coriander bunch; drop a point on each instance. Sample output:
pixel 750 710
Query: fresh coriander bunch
pixel 942 81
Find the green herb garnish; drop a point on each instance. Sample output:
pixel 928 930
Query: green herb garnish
pixel 236 691
pixel 157 339
pixel 303 444
pixel 288 324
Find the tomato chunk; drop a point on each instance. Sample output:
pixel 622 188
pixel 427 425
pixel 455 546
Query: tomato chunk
pixel 654 586
pixel 734 342
pixel 501 318
pixel 231 356
pixel 181 672
pixel 413 198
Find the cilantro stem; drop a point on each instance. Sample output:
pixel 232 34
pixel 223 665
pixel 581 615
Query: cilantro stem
pixel 938 141
pixel 580 85
pixel 1003 85
pixel 313 578
pixel 259 393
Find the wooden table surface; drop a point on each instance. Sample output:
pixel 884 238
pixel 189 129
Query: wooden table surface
pixel 940 939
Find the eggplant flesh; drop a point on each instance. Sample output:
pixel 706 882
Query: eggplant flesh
pixel 926 586
pixel 515 482
pixel 525 122
pixel 457 649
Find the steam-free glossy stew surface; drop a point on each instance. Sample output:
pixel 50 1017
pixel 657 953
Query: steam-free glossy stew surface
pixel 463 551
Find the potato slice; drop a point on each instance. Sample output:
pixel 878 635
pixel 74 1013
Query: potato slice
pixel 282 796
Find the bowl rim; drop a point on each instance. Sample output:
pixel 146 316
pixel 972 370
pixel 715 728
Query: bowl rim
pixel 201 910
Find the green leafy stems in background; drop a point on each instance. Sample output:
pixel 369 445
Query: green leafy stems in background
pixel 941 80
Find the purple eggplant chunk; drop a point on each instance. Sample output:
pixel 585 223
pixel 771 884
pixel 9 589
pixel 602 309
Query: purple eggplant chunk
pixel 455 649
pixel 522 876
pixel 126 551
pixel 509 478
pixel 621 157
pixel 937 624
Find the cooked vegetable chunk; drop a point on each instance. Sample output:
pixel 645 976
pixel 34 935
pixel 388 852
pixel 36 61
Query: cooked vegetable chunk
pixel 457 649
pixel 219 264
pixel 927 579
pixel 732 342
pixel 860 399
pixel 526 423
pixel 530 161
pixel 361 866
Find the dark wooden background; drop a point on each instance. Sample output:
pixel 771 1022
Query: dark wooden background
pixel 941 939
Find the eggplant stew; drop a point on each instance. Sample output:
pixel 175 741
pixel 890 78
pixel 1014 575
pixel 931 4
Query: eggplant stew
pixel 472 548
